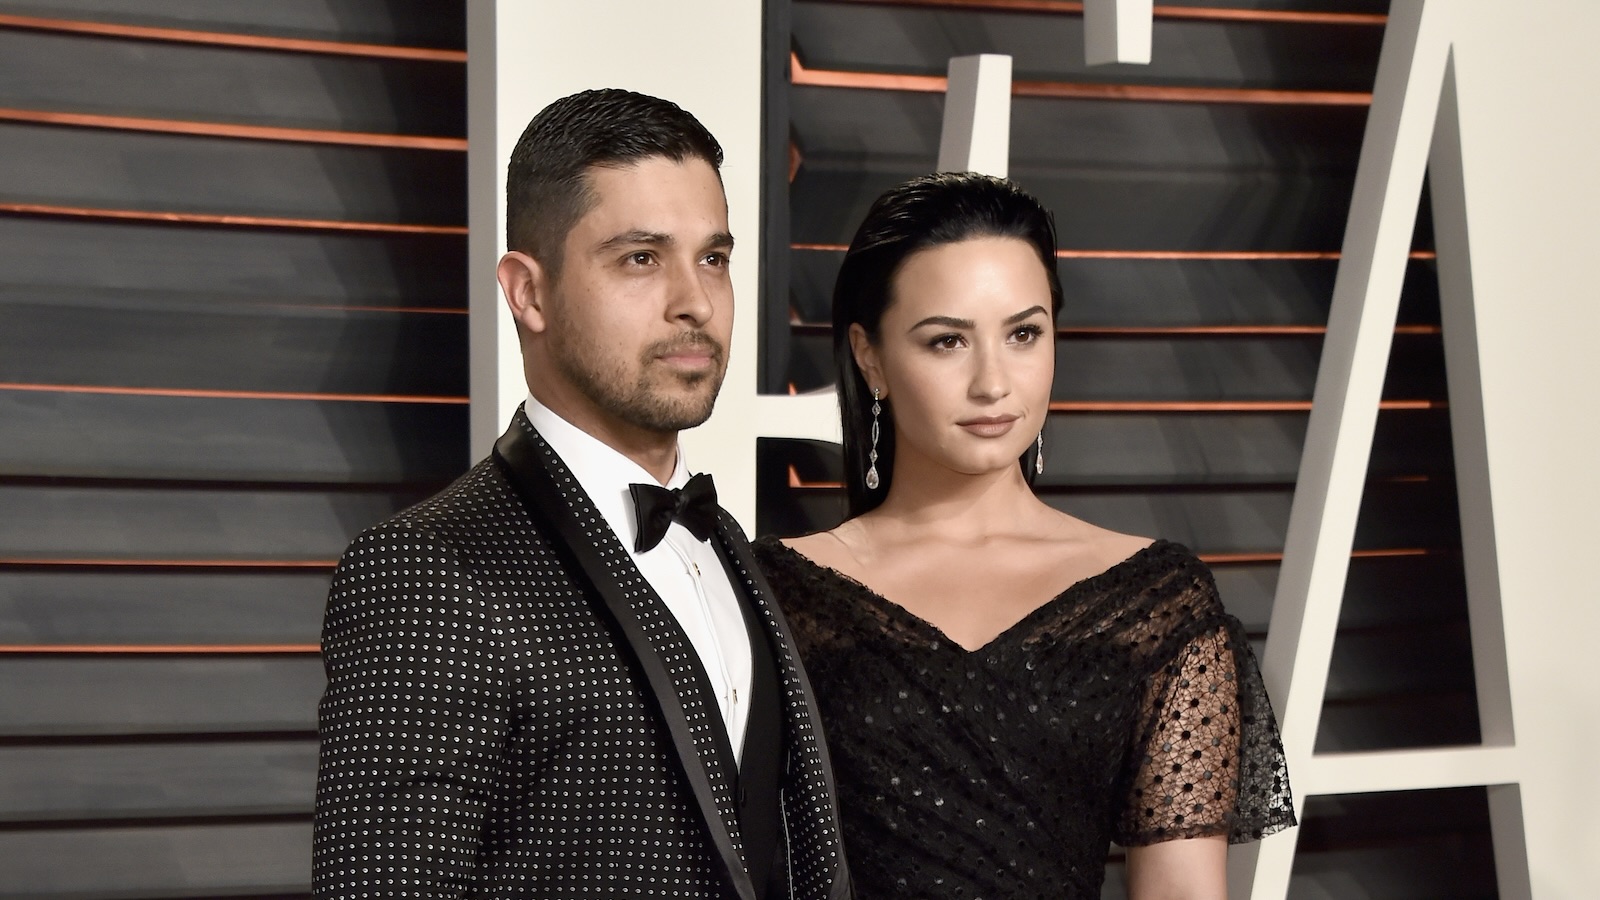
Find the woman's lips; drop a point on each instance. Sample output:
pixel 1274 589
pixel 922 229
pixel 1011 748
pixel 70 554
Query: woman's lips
pixel 989 426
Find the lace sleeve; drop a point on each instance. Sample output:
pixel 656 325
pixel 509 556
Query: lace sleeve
pixel 1207 759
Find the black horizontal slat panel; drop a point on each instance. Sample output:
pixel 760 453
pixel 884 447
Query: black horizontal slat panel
pixel 1222 522
pixel 1063 133
pixel 1414 868
pixel 1118 193
pixel 861 37
pixel 1399 721
pixel 1401 844
pixel 156 780
pixel 1112 211
pixel 402 22
pixel 186 82
pixel 1163 292
pixel 1428 657
pixel 1085 450
pixel 1234 367
pixel 1382 594
pixel 183 173
pixel 1136 369
pixel 1402 515
pixel 1230 368
pixel 1246 591
pixel 184 861
pixel 78 696
pixel 196 418
pixel 171 608
pixel 187 523
pixel 110 436
pixel 231 347
pixel 1379 7
pixel 305 268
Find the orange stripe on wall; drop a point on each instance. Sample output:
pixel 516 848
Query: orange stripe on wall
pixel 186 218
pixel 226 39
pixel 1063 90
pixel 1073 7
pixel 202 393
pixel 227 130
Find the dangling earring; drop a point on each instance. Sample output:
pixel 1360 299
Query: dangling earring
pixel 1038 456
pixel 872 455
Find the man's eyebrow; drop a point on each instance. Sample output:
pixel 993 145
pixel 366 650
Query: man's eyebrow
pixel 637 236
pixel 722 240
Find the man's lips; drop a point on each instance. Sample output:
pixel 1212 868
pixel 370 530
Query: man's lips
pixel 690 359
pixel 699 352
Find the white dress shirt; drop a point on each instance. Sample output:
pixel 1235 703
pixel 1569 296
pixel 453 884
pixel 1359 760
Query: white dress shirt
pixel 686 573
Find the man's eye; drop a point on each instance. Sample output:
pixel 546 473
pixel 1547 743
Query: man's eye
pixel 641 258
pixel 716 259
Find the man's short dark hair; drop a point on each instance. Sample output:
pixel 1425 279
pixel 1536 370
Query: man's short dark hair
pixel 547 185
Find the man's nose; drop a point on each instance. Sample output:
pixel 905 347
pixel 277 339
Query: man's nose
pixel 690 299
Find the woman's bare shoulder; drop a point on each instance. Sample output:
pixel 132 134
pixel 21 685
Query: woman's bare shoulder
pixel 1107 546
pixel 831 548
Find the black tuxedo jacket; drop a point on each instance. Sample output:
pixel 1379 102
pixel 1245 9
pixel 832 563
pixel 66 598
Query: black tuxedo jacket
pixel 511 711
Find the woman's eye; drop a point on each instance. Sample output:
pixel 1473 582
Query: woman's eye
pixel 1027 334
pixel 946 342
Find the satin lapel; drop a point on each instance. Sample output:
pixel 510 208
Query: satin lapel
pixel 538 475
pixel 802 727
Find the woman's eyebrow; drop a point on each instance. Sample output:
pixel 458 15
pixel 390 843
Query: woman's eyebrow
pixel 1030 311
pixel 953 322
pixel 946 321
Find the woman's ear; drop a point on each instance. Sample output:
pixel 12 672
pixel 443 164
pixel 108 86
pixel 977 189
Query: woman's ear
pixel 867 359
pixel 522 282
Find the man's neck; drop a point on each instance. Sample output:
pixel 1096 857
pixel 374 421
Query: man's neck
pixel 654 451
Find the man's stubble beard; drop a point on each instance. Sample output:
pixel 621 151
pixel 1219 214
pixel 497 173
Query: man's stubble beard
pixel 641 401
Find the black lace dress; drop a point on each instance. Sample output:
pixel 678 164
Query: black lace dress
pixel 1127 709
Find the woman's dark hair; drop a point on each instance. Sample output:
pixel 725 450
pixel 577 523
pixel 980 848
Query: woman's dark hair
pixel 920 214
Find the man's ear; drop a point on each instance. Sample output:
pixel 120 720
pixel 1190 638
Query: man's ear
pixel 525 286
pixel 867 359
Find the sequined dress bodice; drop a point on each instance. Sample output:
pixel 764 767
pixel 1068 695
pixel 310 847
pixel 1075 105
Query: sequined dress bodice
pixel 1128 708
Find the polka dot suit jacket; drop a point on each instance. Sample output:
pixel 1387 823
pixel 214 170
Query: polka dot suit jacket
pixel 511 711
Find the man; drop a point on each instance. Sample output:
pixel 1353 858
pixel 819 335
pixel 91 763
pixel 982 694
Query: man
pixel 563 676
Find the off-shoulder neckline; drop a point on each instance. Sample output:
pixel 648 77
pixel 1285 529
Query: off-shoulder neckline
pixel 901 611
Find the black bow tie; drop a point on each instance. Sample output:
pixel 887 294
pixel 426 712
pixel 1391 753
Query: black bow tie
pixel 655 508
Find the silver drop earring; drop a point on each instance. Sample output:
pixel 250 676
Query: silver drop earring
pixel 872 455
pixel 1038 456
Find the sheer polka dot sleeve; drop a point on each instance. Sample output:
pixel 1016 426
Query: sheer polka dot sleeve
pixel 411 722
pixel 1207 759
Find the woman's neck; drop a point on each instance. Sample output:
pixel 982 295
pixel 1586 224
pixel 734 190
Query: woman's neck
pixel 936 501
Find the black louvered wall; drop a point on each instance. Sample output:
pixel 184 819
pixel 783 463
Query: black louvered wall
pixel 232 334
pixel 1201 207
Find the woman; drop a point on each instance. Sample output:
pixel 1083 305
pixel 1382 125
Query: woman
pixel 1006 689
